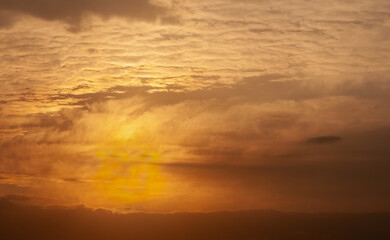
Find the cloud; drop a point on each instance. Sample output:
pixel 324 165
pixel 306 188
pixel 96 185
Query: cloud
pixel 326 186
pixel 14 198
pixel 324 140
pixel 235 151
pixel 73 11
pixel 78 222
pixel 7 19
pixel 242 102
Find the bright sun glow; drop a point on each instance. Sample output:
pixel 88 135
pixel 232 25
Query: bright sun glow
pixel 129 176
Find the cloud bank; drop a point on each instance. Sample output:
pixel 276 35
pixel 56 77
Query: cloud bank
pixel 80 222
pixel 72 12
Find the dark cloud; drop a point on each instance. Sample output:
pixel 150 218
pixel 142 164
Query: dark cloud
pixel 15 198
pixel 75 180
pixel 333 186
pixel 7 19
pixel 348 176
pixel 265 88
pixel 13 192
pixel 324 140
pixel 33 222
pixel 61 122
pixel 371 88
pixel 258 89
pixel 81 86
pixel 73 11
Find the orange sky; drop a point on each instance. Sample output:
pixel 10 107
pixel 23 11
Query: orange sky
pixel 177 105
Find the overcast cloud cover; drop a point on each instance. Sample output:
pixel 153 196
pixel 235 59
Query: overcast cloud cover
pixel 196 105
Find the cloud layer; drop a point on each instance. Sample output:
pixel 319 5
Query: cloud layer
pixel 250 104
pixel 73 12
pixel 81 222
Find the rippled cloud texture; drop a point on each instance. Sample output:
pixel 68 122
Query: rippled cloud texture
pixel 168 106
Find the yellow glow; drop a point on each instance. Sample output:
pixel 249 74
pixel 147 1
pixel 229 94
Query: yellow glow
pixel 129 177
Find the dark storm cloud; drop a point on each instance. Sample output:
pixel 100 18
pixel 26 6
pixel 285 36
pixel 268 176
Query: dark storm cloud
pixel 83 223
pixel 73 11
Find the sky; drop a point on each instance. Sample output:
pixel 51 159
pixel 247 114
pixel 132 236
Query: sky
pixel 196 106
